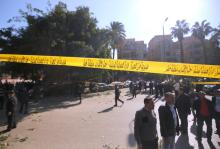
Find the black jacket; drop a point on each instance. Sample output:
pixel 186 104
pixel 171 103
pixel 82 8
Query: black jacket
pixel 183 104
pixel 11 105
pixel 167 126
pixel 145 126
pixel 197 103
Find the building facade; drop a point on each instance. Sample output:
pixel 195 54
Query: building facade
pixel 165 49
pixel 161 48
pixel 133 50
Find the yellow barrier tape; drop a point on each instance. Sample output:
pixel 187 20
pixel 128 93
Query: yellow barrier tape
pixel 206 83
pixel 195 70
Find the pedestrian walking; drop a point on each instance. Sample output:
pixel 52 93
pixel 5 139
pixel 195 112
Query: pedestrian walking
pixel 140 85
pixel 169 122
pixel 145 130
pixel 183 105
pixel 145 86
pixel 156 90
pixel 131 86
pixel 11 108
pixel 134 91
pixel 160 87
pixel 117 95
pixel 204 113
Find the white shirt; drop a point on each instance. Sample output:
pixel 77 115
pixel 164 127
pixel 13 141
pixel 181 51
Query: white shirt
pixel 176 86
pixel 174 114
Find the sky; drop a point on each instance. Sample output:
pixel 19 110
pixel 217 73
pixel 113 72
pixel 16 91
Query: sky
pixel 142 19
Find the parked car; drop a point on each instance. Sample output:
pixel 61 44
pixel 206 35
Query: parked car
pixel 102 87
pixel 127 83
pixel 120 84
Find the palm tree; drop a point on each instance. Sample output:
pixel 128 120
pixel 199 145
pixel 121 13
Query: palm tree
pixel 117 33
pixel 215 38
pixel 200 31
pixel 215 44
pixel 178 32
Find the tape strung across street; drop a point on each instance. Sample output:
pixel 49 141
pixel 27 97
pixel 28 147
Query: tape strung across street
pixel 184 69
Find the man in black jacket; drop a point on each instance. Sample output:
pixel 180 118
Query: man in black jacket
pixel 169 123
pixel 117 95
pixel 145 126
pixel 11 110
pixel 183 106
pixel 204 112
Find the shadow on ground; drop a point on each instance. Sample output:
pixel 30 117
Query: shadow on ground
pixel 42 105
pixel 183 142
pixel 194 128
pixel 131 140
pixel 107 110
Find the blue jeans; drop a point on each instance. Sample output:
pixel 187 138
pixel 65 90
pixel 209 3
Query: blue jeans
pixel 168 142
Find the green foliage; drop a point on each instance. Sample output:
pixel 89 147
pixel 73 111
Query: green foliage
pixel 117 34
pixel 200 31
pixel 55 32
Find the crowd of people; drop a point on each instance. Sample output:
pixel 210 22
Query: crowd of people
pixel 180 101
pixel 12 97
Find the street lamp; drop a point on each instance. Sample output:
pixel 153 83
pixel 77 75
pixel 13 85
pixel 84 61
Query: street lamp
pixel 163 53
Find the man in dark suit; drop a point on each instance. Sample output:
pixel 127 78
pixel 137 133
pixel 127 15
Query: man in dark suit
pixel 169 122
pixel 145 126
pixel 183 106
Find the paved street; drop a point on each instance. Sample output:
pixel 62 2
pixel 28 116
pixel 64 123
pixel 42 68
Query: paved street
pixel 94 124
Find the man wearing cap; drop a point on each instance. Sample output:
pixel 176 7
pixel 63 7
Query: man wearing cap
pixel 183 106
pixel 11 110
pixel 145 130
pixel 169 122
pixel 204 113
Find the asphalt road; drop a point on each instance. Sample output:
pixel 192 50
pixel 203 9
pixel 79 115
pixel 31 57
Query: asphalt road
pixel 60 122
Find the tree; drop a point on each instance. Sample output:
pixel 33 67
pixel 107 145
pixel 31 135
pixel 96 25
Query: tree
pixel 215 45
pixel 56 32
pixel 200 31
pixel 181 28
pixel 117 33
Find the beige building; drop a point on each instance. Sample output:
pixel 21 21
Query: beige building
pixel 134 50
pixel 164 49
pixel 193 50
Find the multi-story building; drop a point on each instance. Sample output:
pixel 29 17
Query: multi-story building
pixel 134 50
pixel 161 48
pixel 193 50
pixel 164 49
